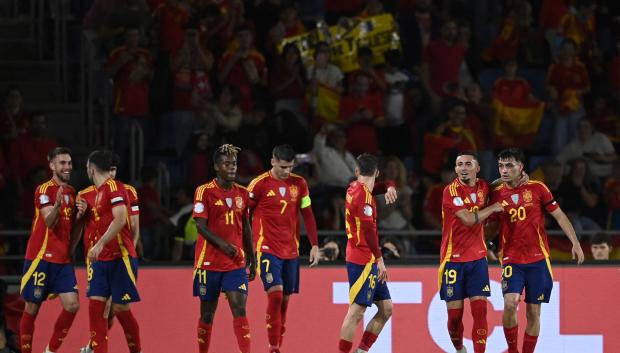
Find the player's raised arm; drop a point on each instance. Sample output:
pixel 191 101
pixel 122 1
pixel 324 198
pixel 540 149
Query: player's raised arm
pixel 51 213
pixel 568 229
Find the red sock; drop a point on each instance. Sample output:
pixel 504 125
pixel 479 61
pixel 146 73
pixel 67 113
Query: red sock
pixel 61 328
pixel 283 320
pixel 368 339
pixel 204 336
pixel 242 331
pixel 131 329
pixel 274 318
pixel 98 326
pixel 26 330
pixel 512 338
pixel 480 330
pixel 529 343
pixel 345 346
pixel 455 327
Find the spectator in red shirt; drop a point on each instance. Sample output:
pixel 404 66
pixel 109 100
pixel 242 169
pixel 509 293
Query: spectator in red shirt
pixel 433 198
pixel 579 25
pixel 131 69
pixel 13 120
pixel 243 67
pixel 442 62
pixel 288 82
pixel 197 163
pixel 172 18
pixel 567 82
pixel 191 92
pixel 30 150
pixel 361 113
pixel 288 25
pixel 377 77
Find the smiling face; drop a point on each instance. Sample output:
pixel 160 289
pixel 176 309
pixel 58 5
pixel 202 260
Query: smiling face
pixel 61 167
pixel 467 169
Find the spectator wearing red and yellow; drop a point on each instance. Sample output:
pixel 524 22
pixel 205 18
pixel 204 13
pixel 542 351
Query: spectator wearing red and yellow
pixel 243 67
pixel 288 25
pixel 579 25
pixel 172 18
pixel 361 113
pixel 567 82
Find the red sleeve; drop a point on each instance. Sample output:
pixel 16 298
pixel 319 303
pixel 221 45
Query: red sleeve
pixel 546 199
pixel 116 194
pixel 43 199
pixel 200 206
pixel 377 106
pixel 310 224
pixel 381 187
pixel 493 198
pixel 451 200
pixel 134 205
pixel 369 229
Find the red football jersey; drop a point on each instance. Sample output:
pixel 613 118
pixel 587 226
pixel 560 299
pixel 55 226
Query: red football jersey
pixel 89 195
pixel 110 194
pixel 223 209
pixel 52 245
pixel 461 243
pixel 360 206
pixel 523 239
pixel 275 222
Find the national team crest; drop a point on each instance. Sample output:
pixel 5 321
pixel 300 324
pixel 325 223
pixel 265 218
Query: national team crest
pixel 294 191
pixel 504 285
pixel 229 202
pixel 515 198
pixel 239 202
pixel 480 195
pixel 449 291
pixel 527 196
pixel 203 290
pixel 269 277
pixel 474 197
pixel 282 190
pixel 38 292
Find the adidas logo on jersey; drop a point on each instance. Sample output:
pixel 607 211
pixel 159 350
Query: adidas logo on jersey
pixel 542 297
pixel 243 286
pixel 219 203
pixel 486 288
pixel 126 297
pixel 271 193
pixel 504 203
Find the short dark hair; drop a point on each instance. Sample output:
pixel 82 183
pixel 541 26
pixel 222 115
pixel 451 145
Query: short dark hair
pixel 284 153
pixel 225 150
pixel 367 164
pixel 101 159
pixel 468 153
pixel 515 153
pixel 56 152
pixel 600 238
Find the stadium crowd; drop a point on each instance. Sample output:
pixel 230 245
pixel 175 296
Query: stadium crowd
pixel 466 75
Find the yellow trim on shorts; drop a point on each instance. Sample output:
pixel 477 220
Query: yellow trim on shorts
pixel 35 262
pixel 357 286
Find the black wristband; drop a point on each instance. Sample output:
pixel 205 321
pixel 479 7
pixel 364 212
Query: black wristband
pixel 476 220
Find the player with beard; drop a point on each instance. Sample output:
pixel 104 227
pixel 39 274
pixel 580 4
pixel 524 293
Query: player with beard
pixel 48 269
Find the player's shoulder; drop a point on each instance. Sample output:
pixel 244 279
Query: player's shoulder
pixel 298 179
pixel 240 187
pixel 45 187
pixel 261 178
pixel 114 185
pixel 87 190
pixel 131 189
pixel 537 185
pixel 452 189
pixel 205 188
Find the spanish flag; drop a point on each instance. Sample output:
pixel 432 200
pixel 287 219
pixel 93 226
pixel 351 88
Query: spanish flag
pixel 517 117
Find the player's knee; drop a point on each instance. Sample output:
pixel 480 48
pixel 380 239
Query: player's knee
pixel 533 316
pixel 238 312
pixel 511 305
pixel 386 312
pixel 72 306
pixel 207 317
pixel 31 308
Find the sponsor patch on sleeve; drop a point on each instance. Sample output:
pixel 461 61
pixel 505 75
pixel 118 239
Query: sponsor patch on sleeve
pixel 116 199
pixel 199 207
pixel 368 210
pixel 44 199
pixel 458 201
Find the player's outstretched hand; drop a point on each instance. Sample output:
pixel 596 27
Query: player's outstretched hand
pixel 94 252
pixel 578 253
pixel 314 256
pixel 82 206
pixel 383 276
pixel 390 195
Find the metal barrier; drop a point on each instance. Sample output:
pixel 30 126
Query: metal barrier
pixel 136 151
